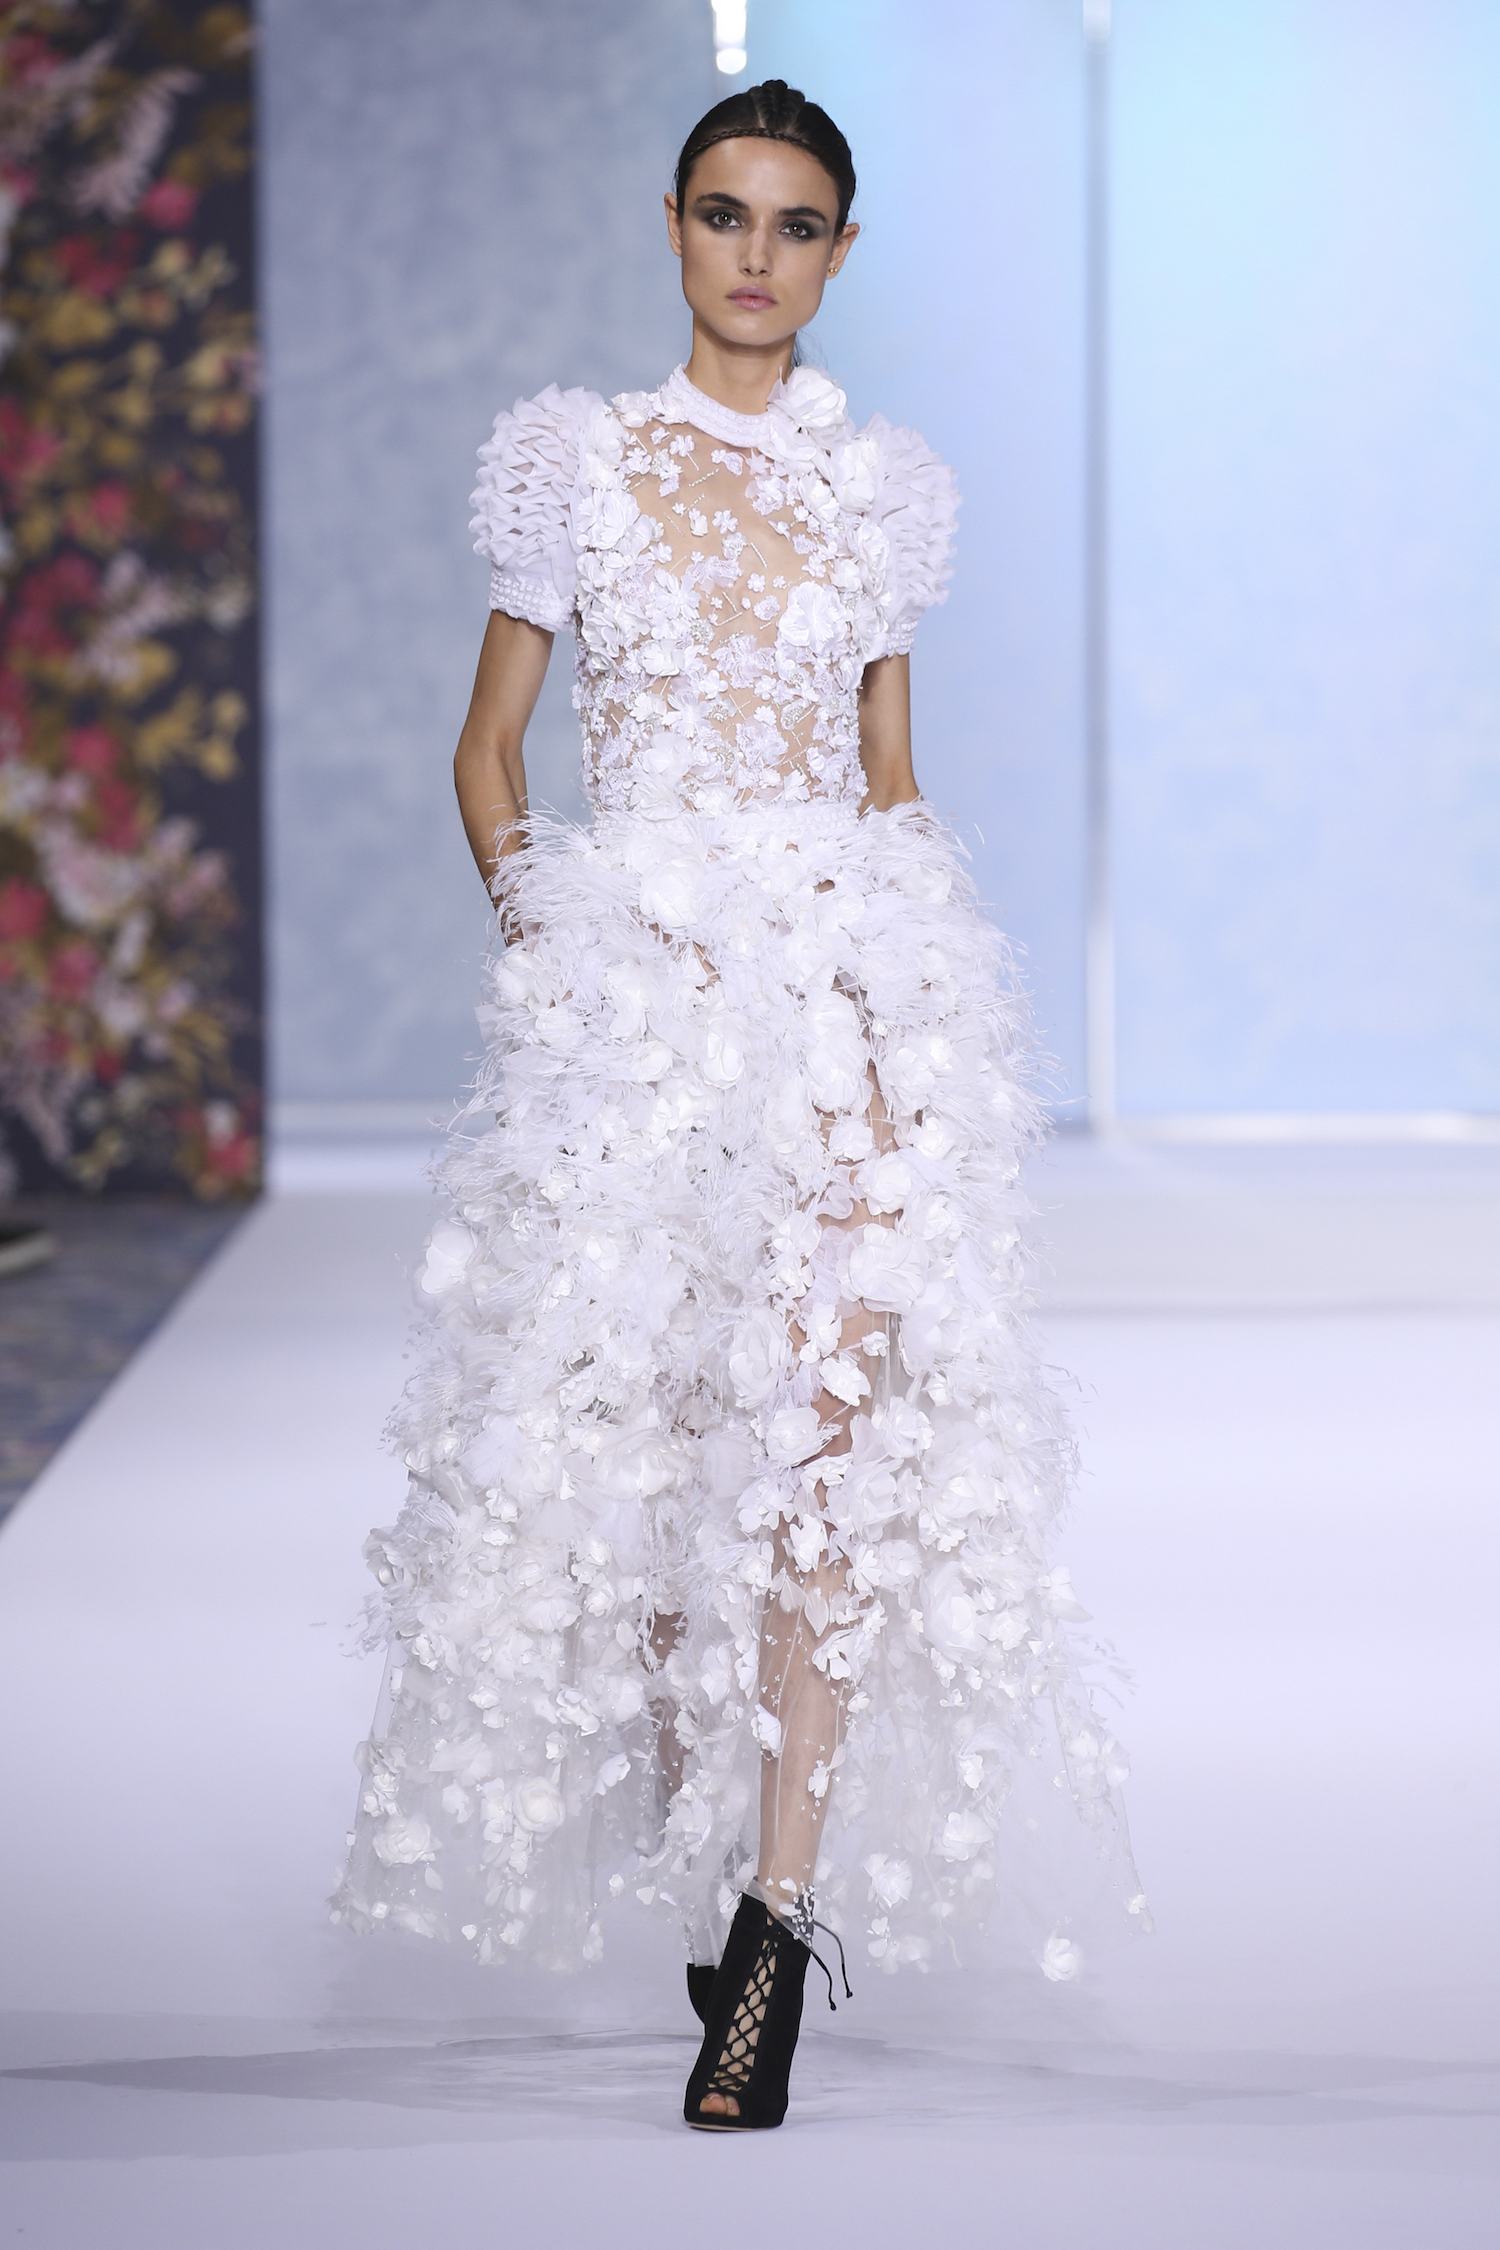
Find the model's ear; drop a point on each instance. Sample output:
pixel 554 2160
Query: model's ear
pixel 674 224
pixel 842 248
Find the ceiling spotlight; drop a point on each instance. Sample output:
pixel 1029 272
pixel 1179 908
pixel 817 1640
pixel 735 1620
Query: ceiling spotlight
pixel 729 36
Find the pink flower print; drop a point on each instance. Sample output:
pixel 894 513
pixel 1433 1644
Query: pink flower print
pixel 71 582
pixel 170 204
pixel 25 450
pixel 29 61
pixel 23 910
pixel 91 750
pixel 100 517
pixel 119 815
pixel 72 971
pixel 234 1160
pixel 229 1153
pixel 93 271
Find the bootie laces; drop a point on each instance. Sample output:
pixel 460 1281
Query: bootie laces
pixel 801 1921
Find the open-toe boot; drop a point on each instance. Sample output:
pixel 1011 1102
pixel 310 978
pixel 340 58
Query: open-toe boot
pixel 753 2015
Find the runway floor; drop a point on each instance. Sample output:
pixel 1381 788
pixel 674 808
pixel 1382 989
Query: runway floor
pixel 68 1325
pixel 1288 1524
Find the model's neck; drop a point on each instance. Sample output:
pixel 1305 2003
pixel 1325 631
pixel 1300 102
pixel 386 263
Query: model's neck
pixel 738 376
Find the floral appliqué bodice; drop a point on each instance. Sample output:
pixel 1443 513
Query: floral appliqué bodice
pixel 730 577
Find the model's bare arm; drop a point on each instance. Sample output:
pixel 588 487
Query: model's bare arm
pixel 885 734
pixel 489 772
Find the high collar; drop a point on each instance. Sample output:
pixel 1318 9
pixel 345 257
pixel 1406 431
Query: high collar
pixel 807 411
pixel 682 401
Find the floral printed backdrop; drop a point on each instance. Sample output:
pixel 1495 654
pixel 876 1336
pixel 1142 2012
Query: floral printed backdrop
pixel 129 806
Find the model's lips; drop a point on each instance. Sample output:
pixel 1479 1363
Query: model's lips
pixel 752 300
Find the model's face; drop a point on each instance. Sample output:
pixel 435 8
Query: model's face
pixel 758 240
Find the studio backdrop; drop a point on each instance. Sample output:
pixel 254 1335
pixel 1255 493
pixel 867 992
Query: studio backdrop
pixel 1300 566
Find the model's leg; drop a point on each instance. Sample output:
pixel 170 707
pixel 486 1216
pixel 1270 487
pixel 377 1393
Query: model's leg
pixel 803 1684
pixel 665 1633
pixel 804 1681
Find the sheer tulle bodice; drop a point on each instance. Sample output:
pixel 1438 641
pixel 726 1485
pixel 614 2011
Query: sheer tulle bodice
pixel 733 574
pixel 733 1478
pixel 722 650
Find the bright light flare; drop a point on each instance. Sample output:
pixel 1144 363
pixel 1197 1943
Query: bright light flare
pixel 729 36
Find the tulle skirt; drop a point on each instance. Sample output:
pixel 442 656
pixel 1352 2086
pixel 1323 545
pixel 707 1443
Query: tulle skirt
pixel 649 1202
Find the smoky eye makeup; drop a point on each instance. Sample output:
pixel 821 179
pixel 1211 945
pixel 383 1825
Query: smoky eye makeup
pixel 804 224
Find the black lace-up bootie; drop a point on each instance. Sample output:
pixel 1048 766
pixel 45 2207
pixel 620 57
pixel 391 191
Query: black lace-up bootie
pixel 700 1983
pixel 700 1975
pixel 753 2016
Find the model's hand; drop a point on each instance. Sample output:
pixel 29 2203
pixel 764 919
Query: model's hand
pixel 885 734
pixel 489 771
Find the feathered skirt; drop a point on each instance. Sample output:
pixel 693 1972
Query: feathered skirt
pixel 613 1421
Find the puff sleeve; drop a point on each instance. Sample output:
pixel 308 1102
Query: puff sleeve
pixel 528 474
pixel 916 506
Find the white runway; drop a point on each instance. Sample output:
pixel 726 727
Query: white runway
pixel 1290 1527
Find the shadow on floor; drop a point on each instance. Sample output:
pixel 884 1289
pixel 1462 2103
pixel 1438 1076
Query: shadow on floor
pixel 537 2085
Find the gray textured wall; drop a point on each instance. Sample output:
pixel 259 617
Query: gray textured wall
pixel 460 204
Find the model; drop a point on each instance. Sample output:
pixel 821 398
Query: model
pixel 725 1580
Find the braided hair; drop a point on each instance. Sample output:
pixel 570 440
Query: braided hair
pixel 773 111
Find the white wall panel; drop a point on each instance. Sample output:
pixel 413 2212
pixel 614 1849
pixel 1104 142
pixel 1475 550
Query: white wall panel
pixel 1306 566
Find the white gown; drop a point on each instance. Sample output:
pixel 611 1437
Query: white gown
pixel 726 1325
